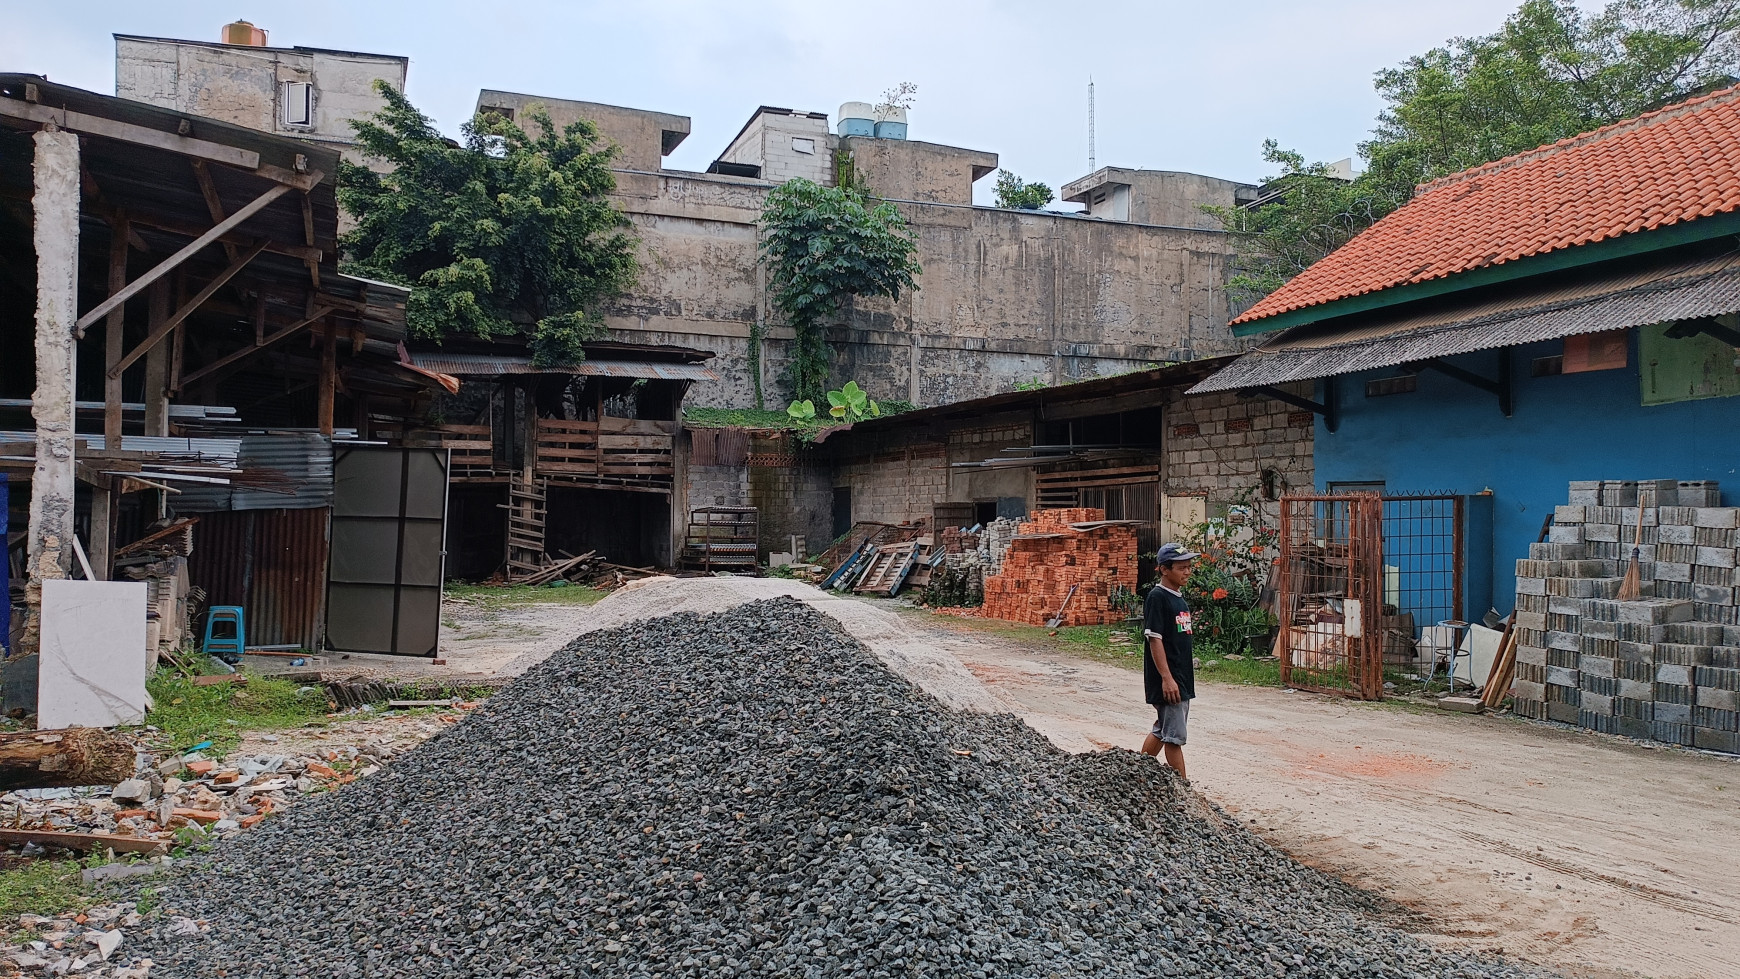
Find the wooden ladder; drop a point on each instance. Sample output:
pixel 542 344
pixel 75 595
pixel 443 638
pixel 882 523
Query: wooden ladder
pixel 525 536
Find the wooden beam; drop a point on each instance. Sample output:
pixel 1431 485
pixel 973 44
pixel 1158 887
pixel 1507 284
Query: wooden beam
pixel 214 204
pixel 193 248
pixel 193 231
pixel 126 132
pixel 113 342
pixel 231 358
pixel 162 330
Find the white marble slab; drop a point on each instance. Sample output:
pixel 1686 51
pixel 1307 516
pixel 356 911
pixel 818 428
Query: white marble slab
pixel 93 654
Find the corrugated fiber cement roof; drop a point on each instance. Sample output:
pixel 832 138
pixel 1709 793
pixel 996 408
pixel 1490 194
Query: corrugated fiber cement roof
pixel 1646 296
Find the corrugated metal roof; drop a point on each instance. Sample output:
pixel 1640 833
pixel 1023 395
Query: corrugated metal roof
pixel 1656 294
pixel 494 365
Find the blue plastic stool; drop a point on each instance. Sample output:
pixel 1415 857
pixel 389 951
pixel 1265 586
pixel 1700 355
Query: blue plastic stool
pixel 229 645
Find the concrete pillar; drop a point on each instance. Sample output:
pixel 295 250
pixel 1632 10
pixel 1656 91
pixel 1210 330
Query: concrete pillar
pixel 56 238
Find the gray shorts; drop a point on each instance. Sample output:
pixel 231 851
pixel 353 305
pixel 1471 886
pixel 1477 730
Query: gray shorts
pixel 1169 721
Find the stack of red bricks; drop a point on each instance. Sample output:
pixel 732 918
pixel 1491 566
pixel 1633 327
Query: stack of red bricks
pixel 1048 556
pixel 954 540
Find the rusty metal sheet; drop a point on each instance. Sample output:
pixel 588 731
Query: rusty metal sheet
pixel 1643 297
pixel 272 563
pixel 494 365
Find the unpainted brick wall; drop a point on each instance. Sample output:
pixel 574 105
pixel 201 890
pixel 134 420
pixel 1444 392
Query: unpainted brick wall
pixel 1219 444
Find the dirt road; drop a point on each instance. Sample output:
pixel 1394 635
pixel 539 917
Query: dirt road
pixel 1587 855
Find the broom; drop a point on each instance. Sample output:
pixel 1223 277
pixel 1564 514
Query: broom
pixel 1631 589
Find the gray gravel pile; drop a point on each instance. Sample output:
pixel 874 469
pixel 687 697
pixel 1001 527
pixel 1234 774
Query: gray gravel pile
pixel 753 794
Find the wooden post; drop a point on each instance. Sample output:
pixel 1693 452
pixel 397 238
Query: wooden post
pixel 529 393
pixel 112 338
pixel 157 365
pixel 598 419
pixel 56 238
pixel 102 547
pixel 328 377
pixel 178 342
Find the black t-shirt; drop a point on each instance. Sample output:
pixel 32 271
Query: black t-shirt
pixel 1168 616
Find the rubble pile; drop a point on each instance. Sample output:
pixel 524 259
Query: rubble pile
pixel 213 797
pixel 752 793
pixel 1055 551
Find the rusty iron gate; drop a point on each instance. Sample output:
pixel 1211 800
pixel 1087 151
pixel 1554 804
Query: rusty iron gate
pixel 1331 594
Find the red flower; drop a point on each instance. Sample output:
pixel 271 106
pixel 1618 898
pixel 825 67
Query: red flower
pixel 1219 593
pixel 1256 548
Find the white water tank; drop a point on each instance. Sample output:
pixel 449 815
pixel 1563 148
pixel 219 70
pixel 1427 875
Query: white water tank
pixel 891 122
pixel 857 119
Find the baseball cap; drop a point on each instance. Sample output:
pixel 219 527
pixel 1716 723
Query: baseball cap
pixel 1174 551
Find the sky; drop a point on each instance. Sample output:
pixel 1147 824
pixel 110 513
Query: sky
pixel 1186 86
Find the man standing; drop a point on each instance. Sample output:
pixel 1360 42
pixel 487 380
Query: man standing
pixel 1169 671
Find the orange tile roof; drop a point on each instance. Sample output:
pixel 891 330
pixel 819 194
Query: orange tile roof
pixel 1664 167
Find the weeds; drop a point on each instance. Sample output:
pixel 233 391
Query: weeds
pixel 45 887
pixel 188 714
pixel 495 598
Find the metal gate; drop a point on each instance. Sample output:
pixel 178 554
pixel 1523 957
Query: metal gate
pixel 389 515
pixel 1331 594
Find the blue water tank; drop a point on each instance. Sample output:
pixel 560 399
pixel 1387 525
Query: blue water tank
pixel 857 119
pixel 890 130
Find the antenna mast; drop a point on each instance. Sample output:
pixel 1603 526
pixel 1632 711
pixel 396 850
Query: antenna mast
pixel 1091 166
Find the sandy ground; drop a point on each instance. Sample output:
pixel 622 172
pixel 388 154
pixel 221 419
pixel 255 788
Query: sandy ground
pixel 1590 855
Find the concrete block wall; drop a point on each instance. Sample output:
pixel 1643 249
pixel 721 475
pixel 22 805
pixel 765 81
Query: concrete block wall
pixel 1219 444
pixel 1666 667
pixel 897 485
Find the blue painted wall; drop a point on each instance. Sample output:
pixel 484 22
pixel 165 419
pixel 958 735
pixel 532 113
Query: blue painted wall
pixel 1450 437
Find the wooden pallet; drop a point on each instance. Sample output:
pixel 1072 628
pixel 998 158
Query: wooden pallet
pixel 887 569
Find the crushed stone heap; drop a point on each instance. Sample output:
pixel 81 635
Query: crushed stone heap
pixel 752 793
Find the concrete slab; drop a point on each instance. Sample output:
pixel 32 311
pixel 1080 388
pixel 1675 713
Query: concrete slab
pixel 93 654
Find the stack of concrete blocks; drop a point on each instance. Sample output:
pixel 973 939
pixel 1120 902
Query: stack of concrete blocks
pixel 1665 667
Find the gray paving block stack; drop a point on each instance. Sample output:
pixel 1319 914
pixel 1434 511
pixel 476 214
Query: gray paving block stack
pixel 1665 667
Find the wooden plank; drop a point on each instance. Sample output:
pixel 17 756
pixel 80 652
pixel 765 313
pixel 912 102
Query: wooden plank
pixel 640 426
pixel 126 132
pixel 174 261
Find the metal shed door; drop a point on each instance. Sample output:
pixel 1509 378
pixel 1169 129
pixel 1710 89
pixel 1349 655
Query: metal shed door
pixel 389 514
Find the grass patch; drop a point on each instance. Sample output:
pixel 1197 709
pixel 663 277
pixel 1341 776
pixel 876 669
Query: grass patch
pixel 45 887
pixel 188 714
pixel 497 597
pixel 1096 642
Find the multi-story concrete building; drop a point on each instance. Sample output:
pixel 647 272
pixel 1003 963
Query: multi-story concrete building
pixel 1006 296
pixel 308 93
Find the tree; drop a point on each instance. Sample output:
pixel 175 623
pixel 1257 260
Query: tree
pixel 824 245
pixel 1015 193
pixel 501 234
pixel 1551 71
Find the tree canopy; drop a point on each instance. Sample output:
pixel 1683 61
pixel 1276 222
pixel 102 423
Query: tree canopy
pixel 1013 192
pixel 824 245
pixel 1551 71
pixel 500 234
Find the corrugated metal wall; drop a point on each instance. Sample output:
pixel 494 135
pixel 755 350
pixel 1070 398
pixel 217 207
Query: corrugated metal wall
pixel 272 563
